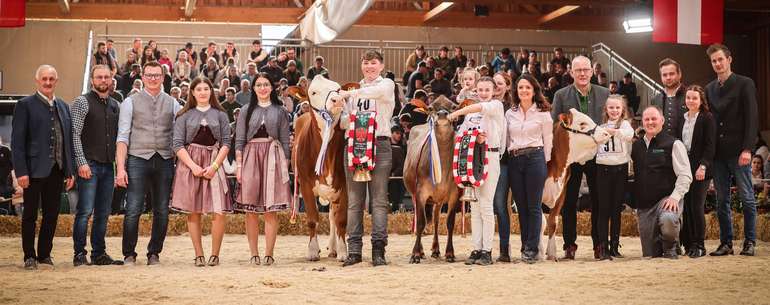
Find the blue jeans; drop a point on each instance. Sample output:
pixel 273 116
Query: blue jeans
pixel 160 173
pixel 723 170
pixel 501 207
pixel 95 197
pixel 527 174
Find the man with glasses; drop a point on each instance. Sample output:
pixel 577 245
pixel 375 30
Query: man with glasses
pixel 94 131
pixel 144 155
pixel 589 99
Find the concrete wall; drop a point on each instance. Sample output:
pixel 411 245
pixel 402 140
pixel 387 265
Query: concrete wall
pixel 63 44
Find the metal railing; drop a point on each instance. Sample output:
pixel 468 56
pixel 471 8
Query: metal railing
pixel 619 66
pixel 89 56
pixel 341 56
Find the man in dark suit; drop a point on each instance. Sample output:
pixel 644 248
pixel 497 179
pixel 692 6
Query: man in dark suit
pixel 589 99
pixel 42 158
pixel 733 101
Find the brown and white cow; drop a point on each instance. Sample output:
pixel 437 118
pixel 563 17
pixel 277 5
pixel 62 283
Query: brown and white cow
pixel 575 139
pixel 418 181
pixel 329 185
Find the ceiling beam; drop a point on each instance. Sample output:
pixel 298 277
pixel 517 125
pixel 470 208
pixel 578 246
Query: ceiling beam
pixel 557 13
pixel 189 7
pixel 531 9
pixel 597 3
pixel 64 6
pixel 438 11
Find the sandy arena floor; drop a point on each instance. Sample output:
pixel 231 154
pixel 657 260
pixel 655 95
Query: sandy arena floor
pixel 292 280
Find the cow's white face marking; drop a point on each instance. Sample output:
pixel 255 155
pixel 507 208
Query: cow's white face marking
pixel 583 147
pixel 321 90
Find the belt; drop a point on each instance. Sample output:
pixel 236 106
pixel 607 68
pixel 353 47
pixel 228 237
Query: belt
pixel 493 149
pixel 525 151
pixel 383 138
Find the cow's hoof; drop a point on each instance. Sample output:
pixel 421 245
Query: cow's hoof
pixel 415 259
pixel 450 258
pixel 435 254
pixel 332 254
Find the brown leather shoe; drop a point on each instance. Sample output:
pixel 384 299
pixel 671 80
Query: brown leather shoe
pixel 569 252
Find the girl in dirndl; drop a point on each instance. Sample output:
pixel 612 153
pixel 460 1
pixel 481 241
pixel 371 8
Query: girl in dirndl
pixel 201 141
pixel 261 156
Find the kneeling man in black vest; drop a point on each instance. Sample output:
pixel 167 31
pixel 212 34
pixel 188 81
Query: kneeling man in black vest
pixel 661 178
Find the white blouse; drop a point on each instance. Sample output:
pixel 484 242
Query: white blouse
pixel 687 130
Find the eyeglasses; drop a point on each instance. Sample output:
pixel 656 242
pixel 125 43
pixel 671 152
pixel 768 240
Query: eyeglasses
pixel 153 76
pixel 262 85
pixel 582 71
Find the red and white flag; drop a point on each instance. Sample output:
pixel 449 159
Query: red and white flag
pixel 688 21
pixel 12 13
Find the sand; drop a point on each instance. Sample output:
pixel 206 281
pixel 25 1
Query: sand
pixel 292 280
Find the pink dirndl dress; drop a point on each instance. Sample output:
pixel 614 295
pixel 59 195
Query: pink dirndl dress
pixel 264 176
pixel 197 194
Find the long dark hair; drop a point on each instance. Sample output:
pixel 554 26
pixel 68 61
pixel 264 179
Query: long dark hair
pixel 704 103
pixel 192 102
pixel 537 96
pixel 253 103
pixel 145 58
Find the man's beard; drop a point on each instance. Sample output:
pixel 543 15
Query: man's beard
pixel 102 88
pixel 673 85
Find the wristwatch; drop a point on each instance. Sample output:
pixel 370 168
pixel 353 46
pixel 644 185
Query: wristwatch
pixel 703 167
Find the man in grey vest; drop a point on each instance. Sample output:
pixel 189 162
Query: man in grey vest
pixel 144 155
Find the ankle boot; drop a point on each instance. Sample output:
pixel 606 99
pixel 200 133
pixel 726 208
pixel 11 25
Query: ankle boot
pixel 378 253
pixel 614 245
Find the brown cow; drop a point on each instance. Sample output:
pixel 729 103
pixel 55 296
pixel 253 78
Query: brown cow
pixel 329 185
pixel 575 139
pixel 417 178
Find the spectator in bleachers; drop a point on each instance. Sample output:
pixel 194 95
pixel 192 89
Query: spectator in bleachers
pixel 532 70
pixel 549 72
pixel 228 53
pixel 628 89
pixel 136 47
pixel 415 58
pixel 138 84
pixel 291 54
pixel 244 96
pixel 128 79
pixel 175 93
pixel 101 57
pixel 439 85
pixel 233 77
pixel 165 60
pixel 614 87
pixel 274 72
pixel 258 56
pixel 182 68
pixel 223 85
pixel 559 58
pixel 286 100
pixel 251 72
pixel 417 79
pixel 597 71
pixel 208 52
pixel 304 83
pixel 185 87
pixel 110 44
pixel 398 150
pixel 292 74
pixel 282 59
pixel 229 104
pixel 533 61
pixel 442 60
pixel 147 55
pixel 318 69
pixel 484 70
pixel 154 46
pixel 459 60
pixel 550 89
pixel 211 69
pixel 521 61
pixel 167 79
pixel 503 61
pixel 130 60
pixel 115 94
pixel 566 78
pixel 192 57
pixel 430 63
pixel 602 79
pixel 471 63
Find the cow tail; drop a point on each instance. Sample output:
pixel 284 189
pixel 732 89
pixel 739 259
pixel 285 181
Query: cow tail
pixel 295 197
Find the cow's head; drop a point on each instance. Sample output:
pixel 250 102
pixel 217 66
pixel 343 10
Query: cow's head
pixel 321 90
pixel 584 135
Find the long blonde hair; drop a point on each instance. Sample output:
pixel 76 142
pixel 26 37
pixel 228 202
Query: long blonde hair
pixel 623 116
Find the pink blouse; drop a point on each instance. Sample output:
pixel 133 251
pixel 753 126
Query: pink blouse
pixel 531 129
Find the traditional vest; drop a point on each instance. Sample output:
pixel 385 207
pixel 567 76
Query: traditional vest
pixel 654 176
pixel 100 128
pixel 152 125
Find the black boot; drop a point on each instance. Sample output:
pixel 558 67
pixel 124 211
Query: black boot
pixel 601 252
pixel 724 249
pixel 614 245
pixel 504 255
pixel 697 250
pixel 378 253
pixel 748 248
pixel 352 259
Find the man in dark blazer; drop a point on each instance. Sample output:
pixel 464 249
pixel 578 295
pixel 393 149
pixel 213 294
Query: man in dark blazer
pixel 589 99
pixel 733 101
pixel 41 142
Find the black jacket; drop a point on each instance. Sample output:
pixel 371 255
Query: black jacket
pixel 31 137
pixel 703 142
pixel 674 116
pixel 734 106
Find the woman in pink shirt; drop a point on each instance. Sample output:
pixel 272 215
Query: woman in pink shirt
pixel 530 135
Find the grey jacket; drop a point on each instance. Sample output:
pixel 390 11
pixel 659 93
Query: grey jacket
pixel 567 98
pixel 187 125
pixel 276 121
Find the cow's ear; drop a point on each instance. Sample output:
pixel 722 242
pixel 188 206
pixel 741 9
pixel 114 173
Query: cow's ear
pixel 566 118
pixel 350 86
pixel 298 93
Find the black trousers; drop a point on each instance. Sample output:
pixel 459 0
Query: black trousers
pixel 694 221
pixel 569 211
pixel 45 194
pixel 610 192
pixel 396 191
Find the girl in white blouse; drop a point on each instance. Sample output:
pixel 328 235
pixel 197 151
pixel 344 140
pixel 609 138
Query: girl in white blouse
pixel 611 177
